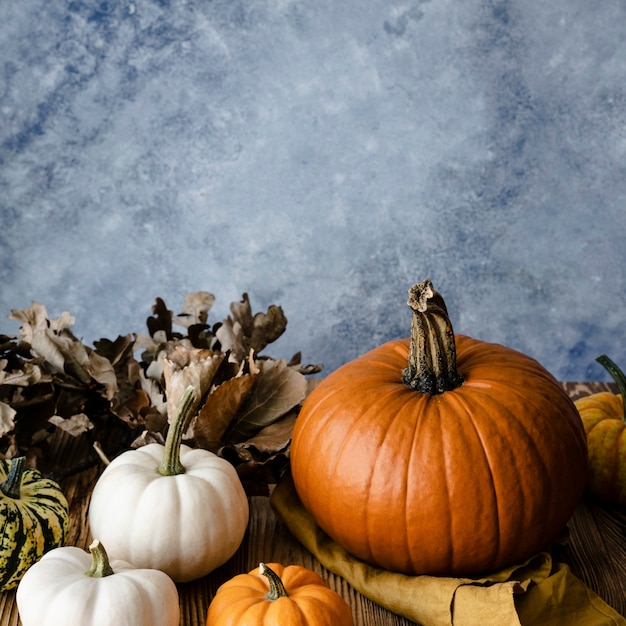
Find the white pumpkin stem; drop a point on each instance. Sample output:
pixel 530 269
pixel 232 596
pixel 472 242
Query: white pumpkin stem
pixel 171 465
pixel 432 353
pixel 11 487
pixel 277 589
pixel 100 566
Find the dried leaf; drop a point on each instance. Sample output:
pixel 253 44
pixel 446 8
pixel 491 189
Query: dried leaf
pixel 75 425
pixel 44 345
pixel 33 319
pixel 196 309
pixel 49 377
pixel 277 389
pixel 273 438
pixel 219 410
pixel 154 392
pixel 7 418
pixel 125 390
pixel 101 370
pixel 184 367
pixel 244 332
pixel 29 375
pixel 161 320
pixel 146 437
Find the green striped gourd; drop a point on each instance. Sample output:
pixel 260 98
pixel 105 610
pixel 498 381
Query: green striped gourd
pixel 34 518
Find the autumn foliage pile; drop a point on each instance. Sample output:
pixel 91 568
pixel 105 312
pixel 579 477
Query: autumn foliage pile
pixel 120 393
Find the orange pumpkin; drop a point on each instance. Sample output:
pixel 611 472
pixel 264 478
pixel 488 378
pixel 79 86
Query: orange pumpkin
pixel 273 595
pixel 603 416
pixel 439 455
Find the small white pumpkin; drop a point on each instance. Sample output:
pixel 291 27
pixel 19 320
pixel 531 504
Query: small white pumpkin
pixel 173 508
pixel 70 587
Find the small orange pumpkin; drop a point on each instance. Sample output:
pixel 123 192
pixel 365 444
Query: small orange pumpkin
pixel 603 416
pixel 273 595
pixel 470 459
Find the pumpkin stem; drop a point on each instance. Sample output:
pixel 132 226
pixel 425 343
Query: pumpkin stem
pixel 277 589
pixel 13 482
pixel 432 353
pixel 618 376
pixel 100 566
pixel 171 465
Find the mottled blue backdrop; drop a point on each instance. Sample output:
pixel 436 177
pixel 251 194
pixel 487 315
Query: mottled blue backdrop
pixel 323 156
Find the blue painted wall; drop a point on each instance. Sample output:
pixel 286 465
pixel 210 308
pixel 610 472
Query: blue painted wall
pixel 323 156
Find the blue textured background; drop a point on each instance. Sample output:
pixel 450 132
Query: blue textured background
pixel 323 156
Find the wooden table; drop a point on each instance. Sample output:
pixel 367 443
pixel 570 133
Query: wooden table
pixel 596 552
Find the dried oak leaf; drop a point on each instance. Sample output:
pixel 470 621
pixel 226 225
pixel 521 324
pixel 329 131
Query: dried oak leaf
pixel 161 320
pixel 131 400
pixel 75 425
pixel 306 370
pixel 272 439
pixel 262 460
pixel 277 389
pixel 244 332
pixel 188 366
pixel 220 409
pixel 54 342
pixel 29 374
pixel 195 309
pixel 7 415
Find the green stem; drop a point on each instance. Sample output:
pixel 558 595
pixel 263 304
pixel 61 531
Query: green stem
pixel 100 566
pixel 171 465
pixel 11 487
pixel 618 376
pixel 432 353
pixel 277 589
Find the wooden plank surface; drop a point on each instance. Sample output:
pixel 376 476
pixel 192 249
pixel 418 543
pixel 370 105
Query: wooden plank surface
pixel 596 551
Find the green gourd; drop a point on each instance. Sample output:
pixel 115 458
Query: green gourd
pixel 34 518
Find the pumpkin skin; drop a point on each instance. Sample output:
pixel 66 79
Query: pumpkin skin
pixel 32 522
pixel 247 600
pixel 174 508
pixel 59 591
pixel 603 418
pixel 184 525
pixel 456 483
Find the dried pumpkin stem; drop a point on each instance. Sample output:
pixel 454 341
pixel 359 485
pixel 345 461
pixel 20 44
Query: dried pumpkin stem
pixel 171 465
pixel 100 566
pixel 432 353
pixel 11 487
pixel 618 376
pixel 277 589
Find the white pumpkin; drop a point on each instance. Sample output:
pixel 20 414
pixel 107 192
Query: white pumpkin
pixel 70 587
pixel 173 508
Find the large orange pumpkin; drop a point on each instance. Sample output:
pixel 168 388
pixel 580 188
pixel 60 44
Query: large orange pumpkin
pixel 439 455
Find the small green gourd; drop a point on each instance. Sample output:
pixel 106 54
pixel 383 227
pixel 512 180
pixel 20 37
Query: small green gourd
pixel 34 518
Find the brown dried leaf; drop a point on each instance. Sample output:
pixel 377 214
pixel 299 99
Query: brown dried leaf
pixel 127 398
pixel 219 410
pixel 101 370
pixel 185 367
pixel 161 320
pixel 273 438
pixel 43 344
pixel 277 389
pixel 244 332
pixel 35 319
pixel 75 425
pixel 133 407
pixel 196 309
pixel 53 342
pixel 30 374
pixel 7 415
